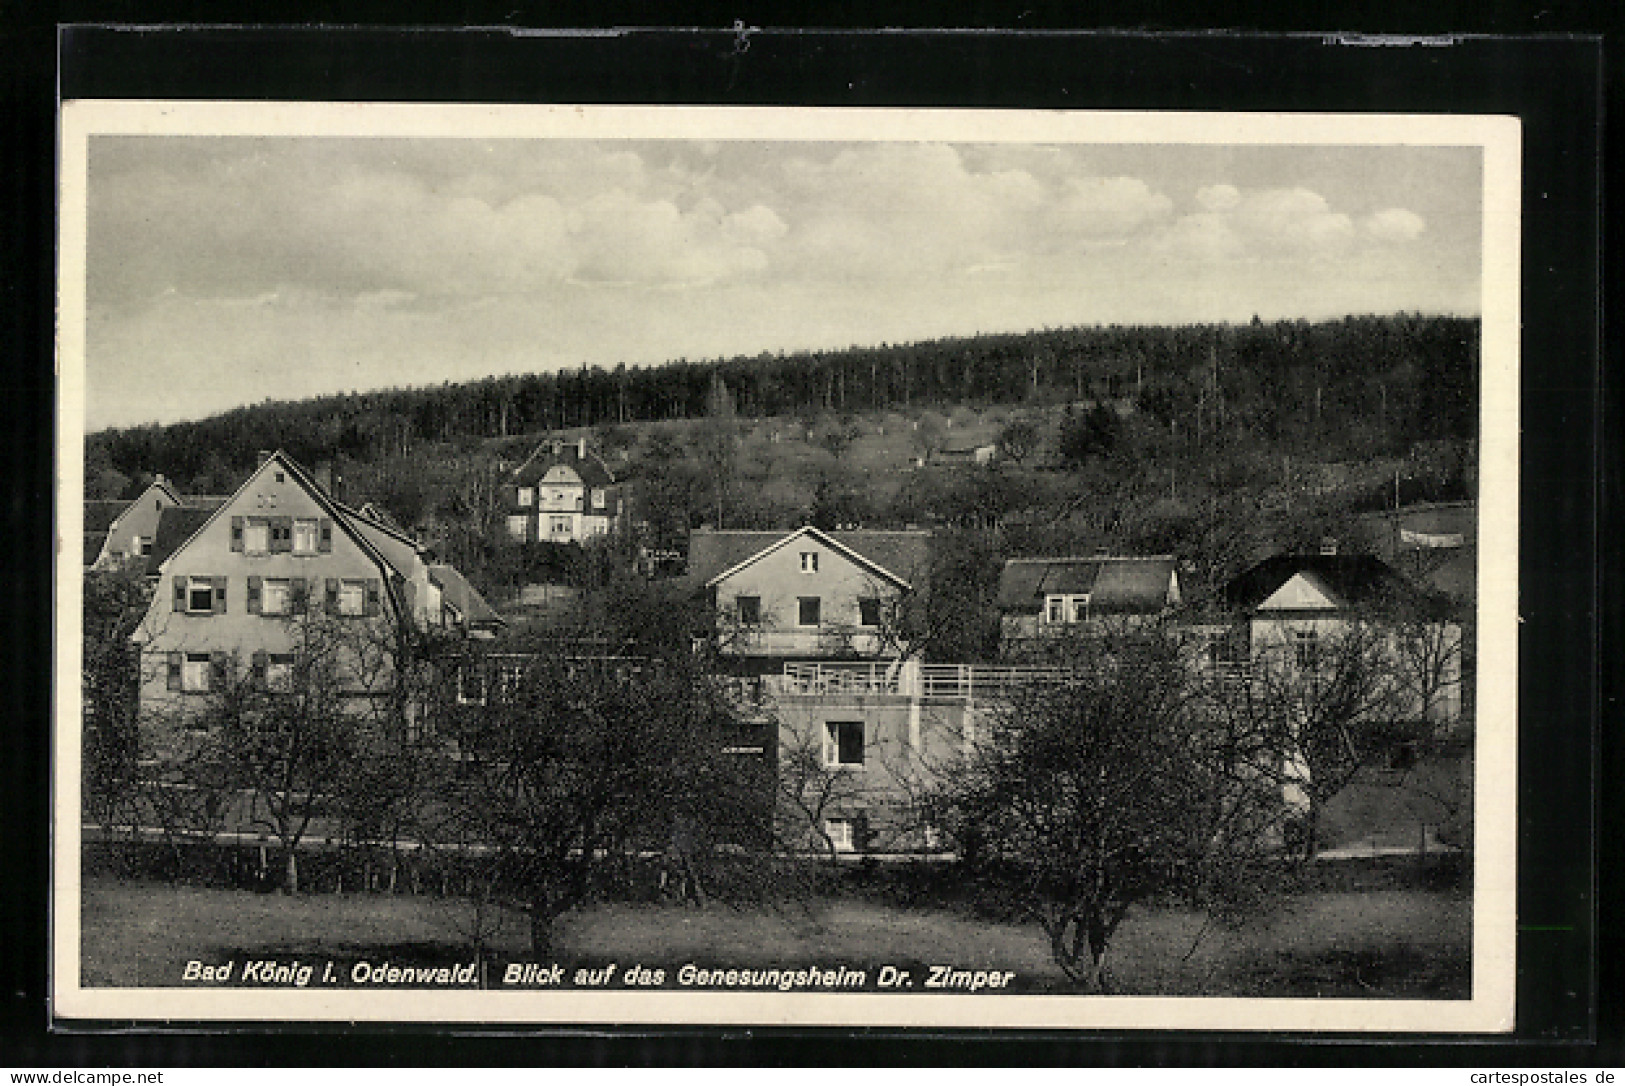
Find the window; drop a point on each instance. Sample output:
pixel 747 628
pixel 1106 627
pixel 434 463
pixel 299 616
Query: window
pixel 518 526
pixel 750 610
pixel 1306 647
pixel 195 673
pixel 1062 609
pixel 558 526
pixel 279 673
pixel 868 611
pixel 839 832
pixel 304 537
pixel 599 499
pixel 143 545
pixel 200 595
pixel 256 537
pixel 527 495
pixel 843 743
pixel 471 683
pixel 274 597
pixel 809 610
pixel 809 561
pixel 352 597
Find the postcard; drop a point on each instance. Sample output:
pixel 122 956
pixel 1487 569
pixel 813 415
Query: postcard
pixel 603 566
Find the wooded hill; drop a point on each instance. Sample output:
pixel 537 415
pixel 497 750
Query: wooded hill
pixel 1347 389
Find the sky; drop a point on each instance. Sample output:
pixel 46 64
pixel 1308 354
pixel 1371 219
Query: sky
pixel 229 270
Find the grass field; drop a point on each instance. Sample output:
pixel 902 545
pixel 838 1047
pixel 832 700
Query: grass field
pixel 1390 943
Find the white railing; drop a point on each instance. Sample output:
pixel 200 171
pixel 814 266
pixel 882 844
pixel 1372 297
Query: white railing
pixel 968 682
pixel 977 683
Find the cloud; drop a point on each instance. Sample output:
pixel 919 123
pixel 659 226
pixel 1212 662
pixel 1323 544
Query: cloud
pixel 1394 224
pixel 1110 206
pixel 257 219
pixel 1218 197
pixel 1283 222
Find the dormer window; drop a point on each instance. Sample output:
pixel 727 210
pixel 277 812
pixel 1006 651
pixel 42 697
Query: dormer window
pixel 809 561
pixel 1066 609
pixel 527 496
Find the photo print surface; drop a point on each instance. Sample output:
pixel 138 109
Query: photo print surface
pixel 787 566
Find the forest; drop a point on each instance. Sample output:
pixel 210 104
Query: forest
pixel 1387 381
pixel 1217 443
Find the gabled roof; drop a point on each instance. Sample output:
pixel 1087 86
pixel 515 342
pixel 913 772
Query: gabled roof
pixel 341 516
pixel 1130 584
pixel 176 525
pixel 592 470
pixel 901 557
pixel 456 591
pixel 1349 580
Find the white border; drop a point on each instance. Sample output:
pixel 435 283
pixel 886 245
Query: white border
pixel 1491 1008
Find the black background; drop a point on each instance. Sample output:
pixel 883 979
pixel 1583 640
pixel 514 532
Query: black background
pixel 1568 1010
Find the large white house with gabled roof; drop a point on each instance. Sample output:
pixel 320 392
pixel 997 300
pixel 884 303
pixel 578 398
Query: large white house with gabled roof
pixel 277 550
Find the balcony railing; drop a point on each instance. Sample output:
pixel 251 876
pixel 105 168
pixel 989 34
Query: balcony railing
pixel 969 682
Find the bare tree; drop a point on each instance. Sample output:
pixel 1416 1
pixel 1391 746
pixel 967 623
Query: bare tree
pixel 628 753
pixel 1083 800
pixel 1336 697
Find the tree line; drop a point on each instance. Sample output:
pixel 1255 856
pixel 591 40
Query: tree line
pixel 1386 380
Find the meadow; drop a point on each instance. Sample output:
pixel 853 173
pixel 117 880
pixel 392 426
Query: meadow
pixel 1394 943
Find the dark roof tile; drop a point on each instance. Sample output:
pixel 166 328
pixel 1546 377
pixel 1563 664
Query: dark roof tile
pixel 906 554
pixel 1139 585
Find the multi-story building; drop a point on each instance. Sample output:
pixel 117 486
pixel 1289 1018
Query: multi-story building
pixel 859 743
pixel 561 494
pixel 237 593
pixel 807 594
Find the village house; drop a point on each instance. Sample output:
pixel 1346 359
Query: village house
pixel 1289 612
pixel 280 551
pixel 1044 601
pixel 561 494
pixel 119 535
pixel 806 594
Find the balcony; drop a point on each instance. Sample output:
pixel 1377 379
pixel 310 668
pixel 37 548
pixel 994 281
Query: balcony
pixel 910 679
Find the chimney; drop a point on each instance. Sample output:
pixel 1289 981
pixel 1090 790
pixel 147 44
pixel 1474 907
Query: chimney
pixel 264 455
pixel 1328 545
pixel 324 477
pixel 159 479
pixel 581 448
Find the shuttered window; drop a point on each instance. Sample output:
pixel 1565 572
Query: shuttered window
pixel 200 595
pixel 256 537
